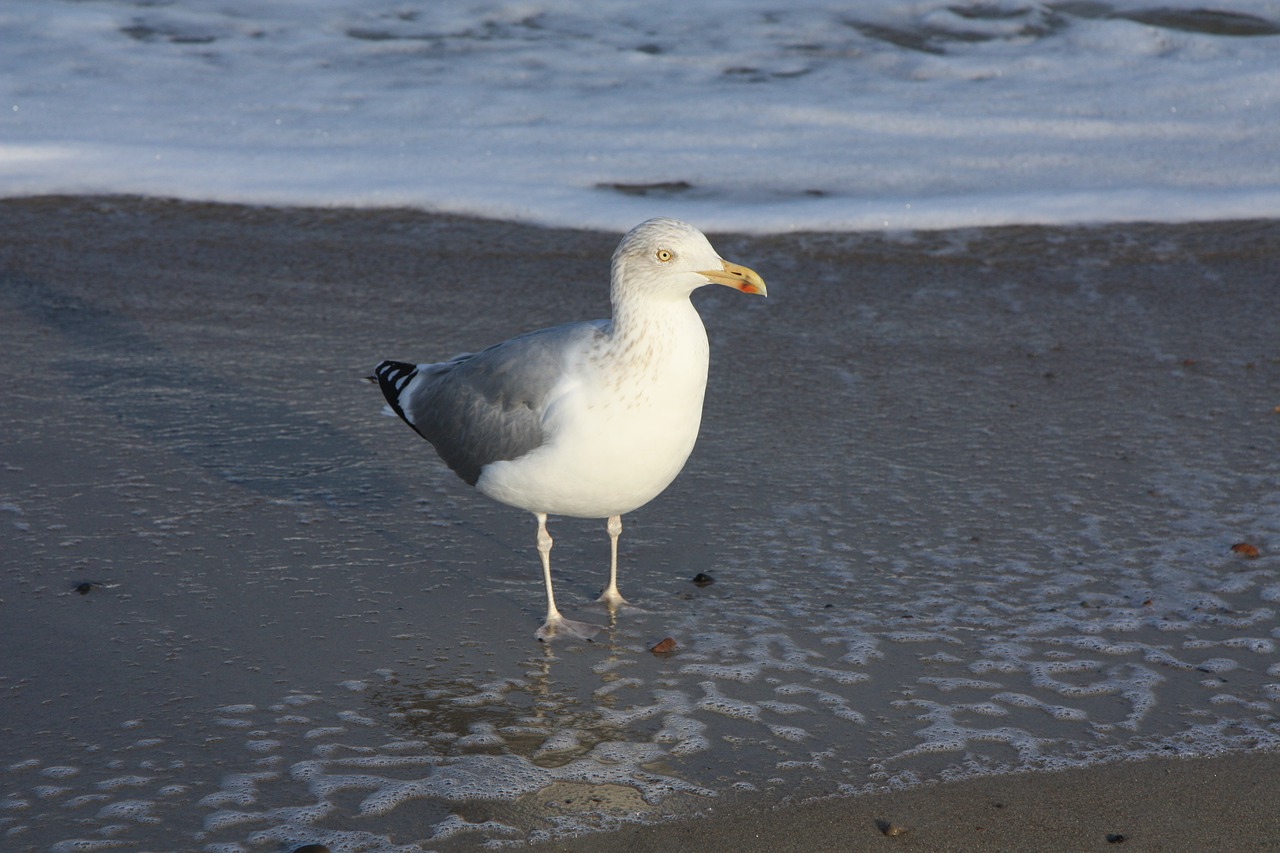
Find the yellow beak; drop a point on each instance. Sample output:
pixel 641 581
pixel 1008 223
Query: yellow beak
pixel 737 277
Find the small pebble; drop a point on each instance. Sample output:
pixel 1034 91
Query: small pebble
pixel 701 579
pixel 665 647
pixel 1246 549
pixel 891 829
pixel 1115 838
pixel 312 848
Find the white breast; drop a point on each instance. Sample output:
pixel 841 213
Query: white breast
pixel 620 425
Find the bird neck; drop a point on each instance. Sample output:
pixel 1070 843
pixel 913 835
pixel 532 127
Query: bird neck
pixel 636 316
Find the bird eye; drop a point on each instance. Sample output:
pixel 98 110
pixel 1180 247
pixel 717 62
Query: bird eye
pixel 665 255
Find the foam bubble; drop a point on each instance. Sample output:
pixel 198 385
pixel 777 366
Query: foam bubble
pixel 262 746
pixel 138 811
pixel 86 800
pixel 224 819
pixel 123 782
pixel 324 732
pixel 84 845
pixel 615 685
pixel 240 789
pixel 1257 645
pixel 470 777
pixel 234 723
pixel 782 707
pixel 147 742
pixel 739 672
pixel 790 733
pixel 948 685
pixel 1218 665
pixel 46 792
pixel 482 734
pixel 563 741
pixel 454 825
pixel 60 771
pixel 718 703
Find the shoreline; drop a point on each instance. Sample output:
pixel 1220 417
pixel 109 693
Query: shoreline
pixel 398 210
pixel 1166 804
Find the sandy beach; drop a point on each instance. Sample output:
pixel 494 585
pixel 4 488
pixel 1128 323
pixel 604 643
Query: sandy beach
pixel 970 500
pixel 1164 804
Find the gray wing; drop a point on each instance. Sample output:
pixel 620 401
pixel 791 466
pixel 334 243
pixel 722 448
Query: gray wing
pixel 484 407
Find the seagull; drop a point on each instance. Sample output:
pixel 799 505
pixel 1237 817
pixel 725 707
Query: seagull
pixel 590 419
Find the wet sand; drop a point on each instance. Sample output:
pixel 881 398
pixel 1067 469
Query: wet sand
pixel 214 543
pixel 1226 803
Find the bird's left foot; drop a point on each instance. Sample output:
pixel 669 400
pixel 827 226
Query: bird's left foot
pixel 560 628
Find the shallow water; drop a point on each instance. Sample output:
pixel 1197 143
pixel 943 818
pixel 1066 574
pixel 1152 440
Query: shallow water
pixel 969 500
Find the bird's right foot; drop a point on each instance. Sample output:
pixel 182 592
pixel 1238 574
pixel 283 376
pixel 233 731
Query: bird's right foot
pixel 612 599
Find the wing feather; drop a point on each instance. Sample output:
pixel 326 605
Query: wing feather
pixel 489 406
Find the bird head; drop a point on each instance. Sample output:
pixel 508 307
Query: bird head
pixel 667 256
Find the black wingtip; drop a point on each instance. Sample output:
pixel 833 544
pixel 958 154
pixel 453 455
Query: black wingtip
pixel 393 377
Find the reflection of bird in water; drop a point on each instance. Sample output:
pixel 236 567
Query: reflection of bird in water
pixel 590 419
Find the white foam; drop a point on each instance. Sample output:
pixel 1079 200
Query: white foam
pixel 1257 645
pixel 563 741
pixel 138 811
pixel 263 745
pixel 85 845
pixel 482 735
pixel 46 792
pixel 235 723
pixel 223 820
pixel 948 685
pixel 525 111
pixel 454 825
pixel 124 782
pixel 60 771
pixel 324 732
pixel 685 734
pixel 475 777
pixel 718 703
pixel 837 704
pixel 791 733
pixel 86 800
pixel 1218 665
pixel 239 789
pixel 147 742
pixel 1059 712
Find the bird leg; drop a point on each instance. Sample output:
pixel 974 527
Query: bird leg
pixel 611 598
pixel 556 624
